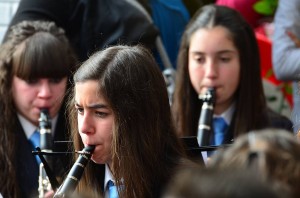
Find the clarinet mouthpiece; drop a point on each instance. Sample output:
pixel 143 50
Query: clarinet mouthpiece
pixel 89 149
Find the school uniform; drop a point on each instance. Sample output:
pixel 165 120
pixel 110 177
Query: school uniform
pixel 274 120
pixel 27 167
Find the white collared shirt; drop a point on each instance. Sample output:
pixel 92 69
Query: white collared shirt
pixel 227 115
pixel 108 176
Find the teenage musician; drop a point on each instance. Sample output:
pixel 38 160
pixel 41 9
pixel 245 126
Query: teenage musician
pixel 35 62
pixel 219 50
pixel 121 106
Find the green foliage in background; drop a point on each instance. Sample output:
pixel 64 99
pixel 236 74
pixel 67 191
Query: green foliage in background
pixel 266 7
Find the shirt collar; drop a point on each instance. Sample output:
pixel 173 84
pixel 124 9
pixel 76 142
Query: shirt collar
pixel 108 176
pixel 29 128
pixel 227 115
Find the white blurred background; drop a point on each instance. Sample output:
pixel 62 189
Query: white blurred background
pixel 7 10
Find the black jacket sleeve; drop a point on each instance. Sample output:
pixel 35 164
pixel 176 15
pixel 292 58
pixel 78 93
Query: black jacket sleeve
pixel 91 25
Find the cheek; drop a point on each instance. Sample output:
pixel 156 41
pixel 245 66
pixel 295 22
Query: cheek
pixel 23 94
pixel 231 78
pixel 236 81
pixel 196 76
pixel 106 130
pixel 19 89
pixel 234 76
pixel 80 123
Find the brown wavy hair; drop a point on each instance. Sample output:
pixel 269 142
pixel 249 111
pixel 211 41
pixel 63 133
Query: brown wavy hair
pixel 37 49
pixel 274 154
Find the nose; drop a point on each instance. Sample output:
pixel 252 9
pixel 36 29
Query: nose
pixel 211 69
pixel 45 89
pixel 85 124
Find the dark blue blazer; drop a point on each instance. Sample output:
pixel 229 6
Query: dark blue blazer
pixel 273 120
pixel 27 169
pixel 91 24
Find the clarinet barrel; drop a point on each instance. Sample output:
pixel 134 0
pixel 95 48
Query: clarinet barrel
pixel 70 183
pixel 205 120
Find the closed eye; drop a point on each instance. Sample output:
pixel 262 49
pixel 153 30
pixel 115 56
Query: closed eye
pixel 32 81
pixel 55 80
pixel 226 56
pixel 198 57
pixel 225 59
pixel 200 60
pixel 101 114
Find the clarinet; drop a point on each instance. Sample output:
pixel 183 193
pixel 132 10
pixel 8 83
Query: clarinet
pixel 205 120
pixel 45 131
pixel 45 145
pixel 70 183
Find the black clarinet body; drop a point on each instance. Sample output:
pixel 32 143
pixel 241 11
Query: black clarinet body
pixel 46 141
pixel 205 120
pixel 72 179
pixel 46 144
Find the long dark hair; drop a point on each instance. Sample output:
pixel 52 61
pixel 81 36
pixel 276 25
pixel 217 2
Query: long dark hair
pixel 250 99
pixel 145 148
pixel 33 49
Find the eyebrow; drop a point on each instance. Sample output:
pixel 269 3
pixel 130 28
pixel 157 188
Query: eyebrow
pixel 94 106
pixel 218 52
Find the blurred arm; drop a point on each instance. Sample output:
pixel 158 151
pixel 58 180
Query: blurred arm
pixel 285 52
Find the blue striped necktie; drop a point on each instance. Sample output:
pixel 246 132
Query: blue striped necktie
pixel 220 129
pixel 35 142
pixel 112 189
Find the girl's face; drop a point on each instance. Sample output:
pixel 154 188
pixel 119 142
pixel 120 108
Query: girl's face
pixel 95 120
pixel 31 96
pixel 214 62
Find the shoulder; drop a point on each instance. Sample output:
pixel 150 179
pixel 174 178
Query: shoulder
pixel 57 11
pixel 279 121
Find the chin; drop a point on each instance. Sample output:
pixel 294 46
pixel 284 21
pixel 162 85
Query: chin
pixel 97 161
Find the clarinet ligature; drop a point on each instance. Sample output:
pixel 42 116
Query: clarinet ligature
pixel 70 183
